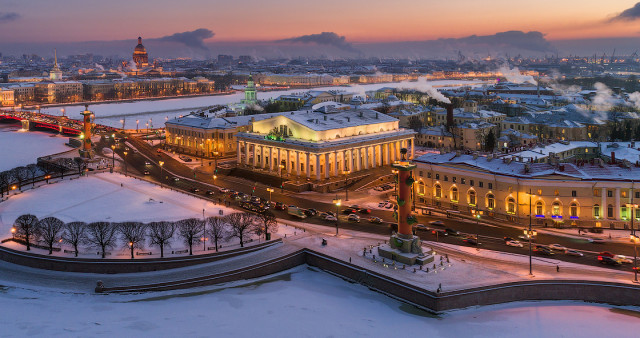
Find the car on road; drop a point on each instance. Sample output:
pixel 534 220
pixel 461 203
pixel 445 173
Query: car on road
pixel 376 220
pixel 147 163
pixel 146 172
pixel 543 250
pixel 329 218
pixel 312 212
pixel 280 206
pixel 158 150
pixel 506 239
pixel 471 240
pixel 209 192
pixel 349 211
pixel 364 211
pixel 452 232
pixel 195 190
pixel 526 239
pixel 175 179
pixel 353 218
pixel 255 199
pixel 514 243
pixel 608 260
pixel 597 241
pixel 224 190
pixel 606 254
pixel 421 227
pixel 571 252
pixel 437 223
pixel 624 259
pixel 439 232
pixel 557 247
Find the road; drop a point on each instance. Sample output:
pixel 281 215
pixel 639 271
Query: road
pixel 490 236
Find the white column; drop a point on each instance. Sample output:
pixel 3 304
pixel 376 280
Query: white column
pixel 386 149
pixel 375 158
pixel 308 167
pixel 336 173
pixel 298 163
pixel 288 162
pixel 326 166
pixel 246 153
pixel 603 206
pixel 271 159
pixel 317 167
pixel 279 159
pixel 616 211
pixel 255 153
pixel 238 150
pixel 344 160
pixel 392 152
pixel 366 158
pixel 398 147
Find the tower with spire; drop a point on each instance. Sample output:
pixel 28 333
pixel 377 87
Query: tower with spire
pixel 250 96
pixel 55 74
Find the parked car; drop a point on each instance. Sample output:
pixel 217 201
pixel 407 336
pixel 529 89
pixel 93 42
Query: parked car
pixel 374 219
pixel 452 232
pixel 572 252
pixel 557 247
pixel 514 243
pixel 437 223
pixel 608 260
pixel 353 218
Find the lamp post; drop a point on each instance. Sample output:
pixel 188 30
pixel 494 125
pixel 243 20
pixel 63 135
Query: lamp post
pixel 125 162
pixel 61 109
pixel 137 122
pixel 214 179
pixel 634 238
pixel 530 233
pixel 160 163
pixel 113 157
pixel 270 190
pixel 281 180
pixel 346 189
pixel 215 159
pixel 337 202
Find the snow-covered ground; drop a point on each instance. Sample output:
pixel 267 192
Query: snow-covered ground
pixel 301 302
pixel 18 148
pixel 158 111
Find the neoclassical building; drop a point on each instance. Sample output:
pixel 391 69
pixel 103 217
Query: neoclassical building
pixel 588 193
pixel 321 145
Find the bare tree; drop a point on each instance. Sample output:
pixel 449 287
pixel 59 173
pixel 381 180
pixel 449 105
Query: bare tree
pixel 6 177
pixel 268 223
pixel 74 233
pixel 33 170
pixel 133 233
pixel 161 233
pixel 50 229
pixel 20 174
pixel 27 227
pixel 241 224
pixel 190 229
pixel 80 164
pixel 101 234
pixel 216 228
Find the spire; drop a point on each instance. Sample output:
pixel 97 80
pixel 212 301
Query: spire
pixel 139 40
pixel 55 57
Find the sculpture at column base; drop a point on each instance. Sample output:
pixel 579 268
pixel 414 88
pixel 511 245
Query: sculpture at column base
pixel 405 249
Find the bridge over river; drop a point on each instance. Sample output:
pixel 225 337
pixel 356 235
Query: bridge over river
pixel 31 120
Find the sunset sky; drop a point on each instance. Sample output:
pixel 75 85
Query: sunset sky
pixel 261 20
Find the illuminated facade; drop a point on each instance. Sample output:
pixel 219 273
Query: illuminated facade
pixel 563 194
pixel 140 56
pixel 318 146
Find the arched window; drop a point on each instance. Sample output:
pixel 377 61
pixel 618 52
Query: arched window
pixel 539 208
pixel 609 211
pixel 573 209
pixel 596 211
pixel 472 197
pixel 437 191
pixel 511 205
pixel 556 209
pixel 454 194
pixel 491 202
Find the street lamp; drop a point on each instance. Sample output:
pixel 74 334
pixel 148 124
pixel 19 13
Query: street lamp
pixel 346 190
pixel 530 233
pixel 61 109
pixel 215 159
pixel 214 179
pixel 160 163
pixel 634 238
pixel 125 162
pixel 13 231
pixel 137 121
pixel 270 190
pixel 337 202
pixel 281 180
pixel 113 157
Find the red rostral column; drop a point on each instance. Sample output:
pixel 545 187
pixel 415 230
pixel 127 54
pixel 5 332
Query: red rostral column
pixel 405 183
pixel 86 140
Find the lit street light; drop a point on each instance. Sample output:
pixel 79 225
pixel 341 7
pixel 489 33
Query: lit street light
pixel 346 190
pixel 160 163
pixel 634 238
pixel 281 180
pixel 270 190
pixel 530 233
pixel 125 162
pixel 215 159
pixel 113 157
pixel 337 202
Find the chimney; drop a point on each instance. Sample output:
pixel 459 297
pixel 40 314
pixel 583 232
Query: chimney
pixel 613 157
pixel 325 117
pixel 561 167
pixel 449 107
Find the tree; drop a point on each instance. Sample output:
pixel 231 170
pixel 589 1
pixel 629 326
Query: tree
pixel 80 164
pixel 74 233
pixel 133 233
pixel 490 141
pixel 216 228
pixel 20 174
pixel 33 170
pixel 190 230
pixel 102 235
pixel 6 177
pixel 241 224
pixel 160 234
pixel 49 229
pixel 268 221
pixel 27 227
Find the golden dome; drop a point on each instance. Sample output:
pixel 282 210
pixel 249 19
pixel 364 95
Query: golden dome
pixel 139 48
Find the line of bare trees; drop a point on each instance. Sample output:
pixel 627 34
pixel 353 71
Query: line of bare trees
pixel 134 235
pixel 19 177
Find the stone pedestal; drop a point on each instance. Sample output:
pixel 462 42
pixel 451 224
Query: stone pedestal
pixel 406 250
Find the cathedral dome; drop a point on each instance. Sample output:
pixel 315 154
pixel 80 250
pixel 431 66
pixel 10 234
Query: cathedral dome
pixel 140 48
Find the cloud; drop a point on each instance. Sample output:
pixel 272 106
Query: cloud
pixel 194 39
pixel 8 16
pixel 629 14
pixel 531 41
pixel 324 38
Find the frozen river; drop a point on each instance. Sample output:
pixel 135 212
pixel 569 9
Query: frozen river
pixel 158 111
pixel 302 302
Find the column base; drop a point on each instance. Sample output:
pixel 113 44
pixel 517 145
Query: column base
pixel 405 250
